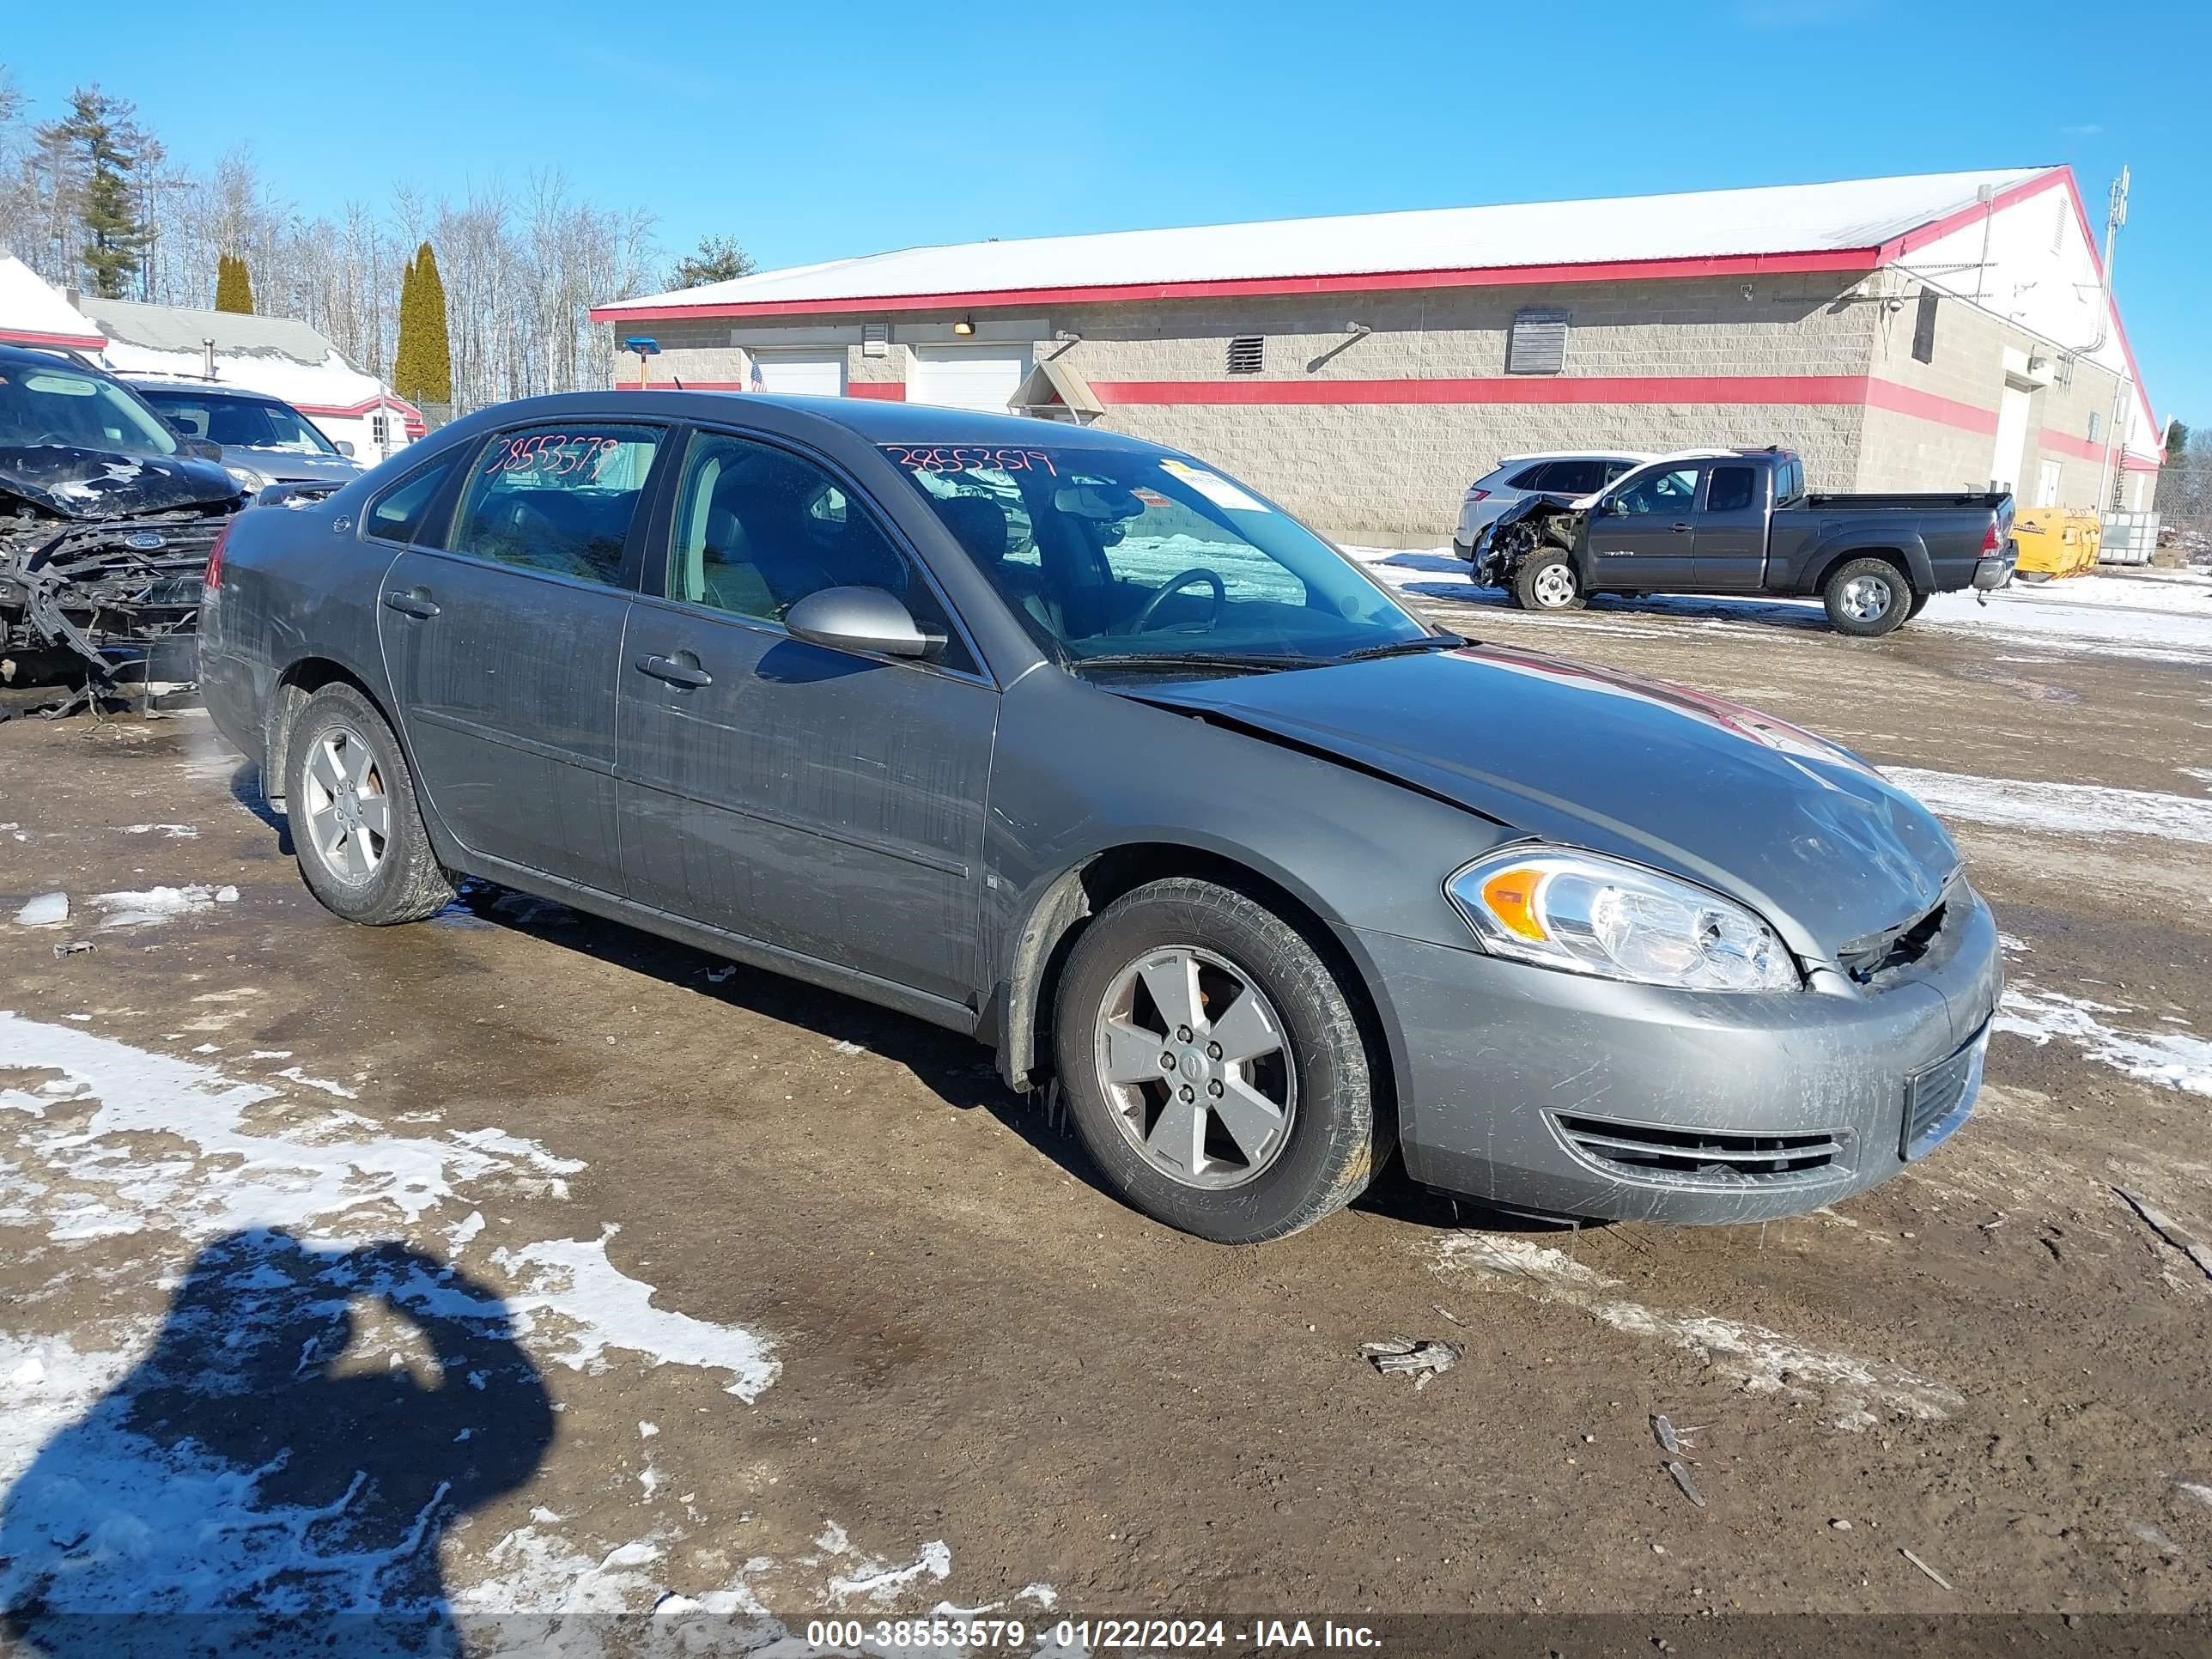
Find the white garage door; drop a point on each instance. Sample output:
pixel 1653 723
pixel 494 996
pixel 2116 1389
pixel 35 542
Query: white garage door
pixel 803 373
pixel 965 377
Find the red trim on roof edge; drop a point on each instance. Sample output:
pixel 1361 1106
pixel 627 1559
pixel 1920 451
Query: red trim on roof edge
pixel 1739 265
pixel 68 342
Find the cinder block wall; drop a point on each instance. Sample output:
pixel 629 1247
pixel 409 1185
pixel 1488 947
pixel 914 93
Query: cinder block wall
pixel 1362 468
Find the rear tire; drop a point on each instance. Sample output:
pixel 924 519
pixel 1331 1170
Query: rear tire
pixel 1547 581
pixel 1867 598
pixel 1297 1136
pixel 356 828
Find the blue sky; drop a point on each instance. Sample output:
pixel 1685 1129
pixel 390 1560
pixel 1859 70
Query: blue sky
pixel 811 131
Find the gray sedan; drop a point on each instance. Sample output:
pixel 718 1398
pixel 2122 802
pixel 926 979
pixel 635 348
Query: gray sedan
pixel 1072 743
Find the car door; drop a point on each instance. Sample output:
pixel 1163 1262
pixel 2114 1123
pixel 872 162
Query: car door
pixel 825 802
pixel 503 639
pixel 1729 546
pixel 1642 534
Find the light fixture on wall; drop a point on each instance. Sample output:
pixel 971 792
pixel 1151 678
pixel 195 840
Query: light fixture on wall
pixel 965 326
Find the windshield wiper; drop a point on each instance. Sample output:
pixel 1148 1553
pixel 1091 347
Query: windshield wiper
pixel 1166 663
pixel 1404 648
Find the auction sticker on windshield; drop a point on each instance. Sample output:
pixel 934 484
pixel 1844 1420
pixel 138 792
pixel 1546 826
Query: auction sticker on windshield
pixel 1215 488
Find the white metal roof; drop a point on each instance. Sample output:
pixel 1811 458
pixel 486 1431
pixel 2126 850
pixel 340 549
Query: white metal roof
pixel 1857 213
pixel 279 356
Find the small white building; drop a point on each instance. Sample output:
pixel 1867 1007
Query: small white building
pixel 276 356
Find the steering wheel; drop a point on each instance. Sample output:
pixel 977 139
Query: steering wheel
pixel 1197 573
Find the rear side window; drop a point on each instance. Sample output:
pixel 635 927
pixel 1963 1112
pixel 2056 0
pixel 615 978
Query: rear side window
pixel 1529 477
pixel 403 512
pixel 1574 477
pixel 1788 482
pixel 1730 491
pixel 557 499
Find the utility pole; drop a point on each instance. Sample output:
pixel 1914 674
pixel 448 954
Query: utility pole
pixel 2116 215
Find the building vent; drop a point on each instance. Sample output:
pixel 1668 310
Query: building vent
pixel 875 339
pixel 2096 426
pixel 1538 345
pixel 1924 326
pixel 1244 354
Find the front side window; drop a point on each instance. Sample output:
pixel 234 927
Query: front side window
pixel 240 423
pixel 1660 492
pixel 403 512
pixel 1139 554
pixel 757 529
pixel 557 499
pixel 64 406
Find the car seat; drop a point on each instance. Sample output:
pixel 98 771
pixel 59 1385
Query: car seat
pixel 980 523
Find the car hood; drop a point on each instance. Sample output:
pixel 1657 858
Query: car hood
pixel 290 466
pixel 1797 827
pixel 92 484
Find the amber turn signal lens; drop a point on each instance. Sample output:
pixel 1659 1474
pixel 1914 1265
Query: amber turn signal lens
pixel 1511 897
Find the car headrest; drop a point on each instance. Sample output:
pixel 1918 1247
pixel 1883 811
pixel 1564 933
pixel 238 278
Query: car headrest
pixel 981 524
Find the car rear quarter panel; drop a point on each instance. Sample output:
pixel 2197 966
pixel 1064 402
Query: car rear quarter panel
pixel 295 587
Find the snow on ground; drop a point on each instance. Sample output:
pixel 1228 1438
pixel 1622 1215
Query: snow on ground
pixel 1760 1360
pixel 130 1485
pixel 2058 809
pixel 2155 616
pixel 2172 1060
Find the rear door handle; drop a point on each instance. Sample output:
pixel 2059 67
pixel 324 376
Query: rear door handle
pixel 1681 529
pixel 676 671
pixel 412 601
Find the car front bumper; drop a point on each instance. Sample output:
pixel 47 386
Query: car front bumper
pixel 1554 1094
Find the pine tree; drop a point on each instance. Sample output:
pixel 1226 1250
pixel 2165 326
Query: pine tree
pixel 437 345
pixel 719 259
pixel 102 144
pixel 422 368
pixel 233 284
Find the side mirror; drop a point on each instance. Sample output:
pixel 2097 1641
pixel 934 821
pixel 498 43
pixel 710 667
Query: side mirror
pixel 861 619
pixel 201 450
pixel 345 447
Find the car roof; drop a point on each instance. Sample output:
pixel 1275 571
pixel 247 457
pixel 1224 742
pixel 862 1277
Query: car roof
pixel 199 388
pixel 1577 455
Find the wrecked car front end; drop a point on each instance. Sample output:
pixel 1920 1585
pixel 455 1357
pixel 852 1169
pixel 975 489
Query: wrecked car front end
pixel 101 557
pixel 1524 528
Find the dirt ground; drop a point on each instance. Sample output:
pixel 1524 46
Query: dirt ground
pixel 804 1314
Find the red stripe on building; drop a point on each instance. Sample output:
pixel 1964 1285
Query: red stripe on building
pixel 2065 443
pixel 1945 411
pixel 1613 271
pixel 1826 389
pixel 65 342
pixel 688 385
pixel 889 391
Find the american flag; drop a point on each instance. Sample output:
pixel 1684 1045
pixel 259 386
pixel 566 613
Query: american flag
pixel 753 376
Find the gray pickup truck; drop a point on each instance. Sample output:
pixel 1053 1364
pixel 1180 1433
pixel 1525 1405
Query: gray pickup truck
pixel 1737 521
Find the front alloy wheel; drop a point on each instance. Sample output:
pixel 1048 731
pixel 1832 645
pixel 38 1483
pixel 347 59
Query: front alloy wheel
pixel 1192 1057
pixel 1214 1065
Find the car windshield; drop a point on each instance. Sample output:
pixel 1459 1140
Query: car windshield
pixel 66 406
pixel 239 422
pixel 1139 557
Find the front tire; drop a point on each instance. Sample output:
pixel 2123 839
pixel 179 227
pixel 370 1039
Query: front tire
pixel 1867 598
pixel 1214 1066
pixel 356 828
pixel 1547 581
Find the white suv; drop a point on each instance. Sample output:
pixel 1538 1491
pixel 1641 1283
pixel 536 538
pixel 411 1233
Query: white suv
pixel 1552 472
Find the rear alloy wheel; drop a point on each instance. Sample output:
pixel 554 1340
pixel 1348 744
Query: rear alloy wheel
pixel 356 829
pixel 1547 581
pixel 1212 1064
pixel 1867 598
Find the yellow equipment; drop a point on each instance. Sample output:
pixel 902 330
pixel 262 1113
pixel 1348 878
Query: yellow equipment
pixel 2055 542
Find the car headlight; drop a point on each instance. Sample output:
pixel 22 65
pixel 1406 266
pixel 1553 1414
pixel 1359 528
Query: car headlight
pixel 247 479
pixel 1590 914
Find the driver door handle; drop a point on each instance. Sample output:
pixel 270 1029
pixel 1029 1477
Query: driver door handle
pixel 411 602
pixel 675 671
pixel 1681 529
